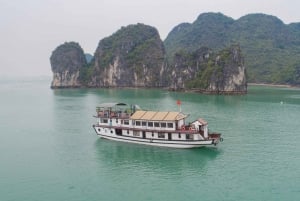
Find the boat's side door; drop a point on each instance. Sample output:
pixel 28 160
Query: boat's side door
pixel 144 134
pixel 169 136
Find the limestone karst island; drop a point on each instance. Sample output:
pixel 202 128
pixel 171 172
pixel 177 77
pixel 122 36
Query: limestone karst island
pixel 209 55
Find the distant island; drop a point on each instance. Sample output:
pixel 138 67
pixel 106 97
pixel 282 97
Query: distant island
pixel 210 56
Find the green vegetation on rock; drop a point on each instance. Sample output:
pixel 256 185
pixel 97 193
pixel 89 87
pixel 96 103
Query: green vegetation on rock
pixel 271 48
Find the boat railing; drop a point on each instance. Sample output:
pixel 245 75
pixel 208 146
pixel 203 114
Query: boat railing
pixel 107 114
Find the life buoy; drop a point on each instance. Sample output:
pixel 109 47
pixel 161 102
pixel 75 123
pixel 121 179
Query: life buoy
pixel 182 127
pixel 190 128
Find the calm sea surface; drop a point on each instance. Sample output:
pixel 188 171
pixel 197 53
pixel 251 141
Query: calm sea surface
pixel 49 151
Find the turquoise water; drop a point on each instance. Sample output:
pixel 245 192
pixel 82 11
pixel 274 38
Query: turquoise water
pixel 49 151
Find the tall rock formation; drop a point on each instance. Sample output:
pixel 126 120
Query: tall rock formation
pixel 66 61
pixel 134 56
pixel 204 71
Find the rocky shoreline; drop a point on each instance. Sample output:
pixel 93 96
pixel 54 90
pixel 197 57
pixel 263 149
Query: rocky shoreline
pixel 274 85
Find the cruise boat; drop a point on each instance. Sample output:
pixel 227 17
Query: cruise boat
pixel 120 122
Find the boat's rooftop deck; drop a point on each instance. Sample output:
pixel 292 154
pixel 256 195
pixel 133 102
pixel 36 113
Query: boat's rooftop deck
pixel 157 116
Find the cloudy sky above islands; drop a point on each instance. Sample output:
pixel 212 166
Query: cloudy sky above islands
pixel 31 29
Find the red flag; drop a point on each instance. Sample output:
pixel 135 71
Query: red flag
pixel 178 102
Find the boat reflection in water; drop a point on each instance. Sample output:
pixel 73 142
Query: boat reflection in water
pixel 127 158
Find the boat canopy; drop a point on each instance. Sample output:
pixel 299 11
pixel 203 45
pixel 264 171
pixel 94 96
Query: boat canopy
pixel 157 116
pixel 110 105
pixel 202 121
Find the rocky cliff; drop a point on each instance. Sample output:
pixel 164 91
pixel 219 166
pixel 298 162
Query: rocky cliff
pixel 209 72
pixel 131 57
pixel 66 61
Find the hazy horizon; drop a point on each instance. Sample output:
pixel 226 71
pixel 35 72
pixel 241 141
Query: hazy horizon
pixel 32 29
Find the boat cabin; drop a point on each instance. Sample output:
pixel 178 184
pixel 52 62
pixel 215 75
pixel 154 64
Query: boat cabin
pixel 118 121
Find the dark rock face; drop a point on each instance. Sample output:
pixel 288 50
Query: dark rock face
pixel 66 61
pixel 132 57
pixel 185 67
pixel 208 72
pixel 230 73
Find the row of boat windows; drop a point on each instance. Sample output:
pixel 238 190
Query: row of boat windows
pixel 159 135
pixel 143 123
pixel 153 124
pixel 138 134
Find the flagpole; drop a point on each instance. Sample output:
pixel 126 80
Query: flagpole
pixel 179 105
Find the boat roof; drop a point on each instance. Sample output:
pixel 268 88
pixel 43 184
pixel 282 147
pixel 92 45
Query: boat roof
pixel 111 104
pixel 157 116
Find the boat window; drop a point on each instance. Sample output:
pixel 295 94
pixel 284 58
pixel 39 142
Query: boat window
pixel 179 135
pixel 161 135
pixel 156 124
pixel 126 122
pixel 150 124
pixel 136 133
pixel 104 121
pixel 189 137
pixel 170 125
pixel 137 123
pixel 144 123
pixel 163 125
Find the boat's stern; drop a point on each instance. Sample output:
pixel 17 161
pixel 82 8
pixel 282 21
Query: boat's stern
pixel 215 137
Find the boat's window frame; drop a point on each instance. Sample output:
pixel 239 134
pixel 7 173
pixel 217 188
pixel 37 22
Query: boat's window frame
pixel 144 123
pixel 188 136
pixel 170 125
pixel 157 124
pixel 150 124
pixel 126 122
pixel 136 134
pixel 104 120
pixel 163 125
pixel 161 135
pixel 138 123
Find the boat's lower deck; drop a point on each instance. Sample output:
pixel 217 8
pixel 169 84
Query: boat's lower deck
pixel 177 139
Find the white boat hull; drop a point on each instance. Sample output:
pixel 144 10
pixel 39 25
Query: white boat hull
pixel 158 142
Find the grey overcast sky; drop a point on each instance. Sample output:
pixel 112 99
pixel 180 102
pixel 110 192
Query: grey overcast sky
pixel 31 29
